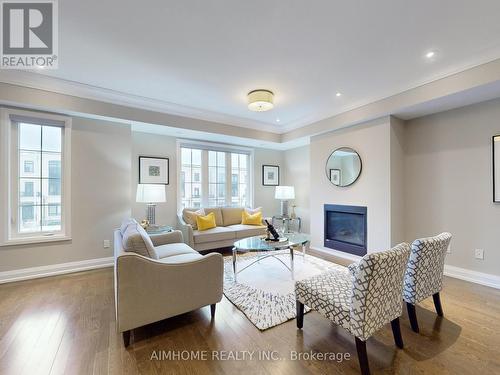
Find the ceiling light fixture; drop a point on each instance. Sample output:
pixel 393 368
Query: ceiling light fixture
pixel 430 54
pixel 260 100
pixel 338 94
pixel 278 120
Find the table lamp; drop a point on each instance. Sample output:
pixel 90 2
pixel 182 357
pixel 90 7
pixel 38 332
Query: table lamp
pixel 284 193
pixel 150 194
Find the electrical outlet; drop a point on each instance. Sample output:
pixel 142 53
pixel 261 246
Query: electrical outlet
pixel 479 253
pixel 105 244
pixel 448 250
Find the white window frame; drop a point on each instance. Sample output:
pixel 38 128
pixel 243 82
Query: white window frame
pixel 9 234
pixel 210 146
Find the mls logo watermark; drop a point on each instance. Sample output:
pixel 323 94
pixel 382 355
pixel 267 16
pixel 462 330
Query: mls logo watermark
pixel 29 34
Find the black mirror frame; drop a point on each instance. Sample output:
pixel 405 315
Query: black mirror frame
pixel 360 166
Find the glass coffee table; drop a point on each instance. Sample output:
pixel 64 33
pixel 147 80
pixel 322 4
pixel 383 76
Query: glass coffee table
pixel 258 244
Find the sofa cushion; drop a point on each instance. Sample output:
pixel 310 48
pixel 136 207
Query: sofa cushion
pixel 218 215
pixel 231 215
pixel 173 249
pixel 189 216
pixel 181 258
pixel 214 234
pixel 243 230
pixel 135 239
pixel 206 222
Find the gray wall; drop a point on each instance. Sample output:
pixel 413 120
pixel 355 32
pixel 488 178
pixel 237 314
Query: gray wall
pixel 264 195
pixel 449 183
pixel 100 182
pixel 144 144
pixel 298 174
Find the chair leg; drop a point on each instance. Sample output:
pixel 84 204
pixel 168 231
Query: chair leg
pixel 396 332
pixel 437 304
pixel 212 310
pixel 362 356
pixel 300 314
pixel 126 338
pixel 412 314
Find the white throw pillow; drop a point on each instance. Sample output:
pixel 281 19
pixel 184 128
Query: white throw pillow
pixel 252 211
pixel 190 217
pixel 125 223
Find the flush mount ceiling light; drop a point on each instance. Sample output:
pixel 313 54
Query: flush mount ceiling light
pixel 430 55
pixel 260 100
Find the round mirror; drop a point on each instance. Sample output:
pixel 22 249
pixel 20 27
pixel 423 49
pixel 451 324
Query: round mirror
pixel 343 166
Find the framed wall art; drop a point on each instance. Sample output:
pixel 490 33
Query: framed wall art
pixel 153 170
pixel 270 175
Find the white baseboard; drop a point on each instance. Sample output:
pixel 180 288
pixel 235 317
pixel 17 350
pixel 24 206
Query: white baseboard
pixel 338 254
pixel 54 269
pixel 476 277
pixel 472 276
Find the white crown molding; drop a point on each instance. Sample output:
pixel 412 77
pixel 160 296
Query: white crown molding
pixel 54 269
pixel 476 277
pixel 73 88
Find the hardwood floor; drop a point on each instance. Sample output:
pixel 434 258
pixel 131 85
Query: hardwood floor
pixel 66 325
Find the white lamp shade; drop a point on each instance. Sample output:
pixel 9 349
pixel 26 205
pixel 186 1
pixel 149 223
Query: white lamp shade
pixel 149 193
pixel 284 192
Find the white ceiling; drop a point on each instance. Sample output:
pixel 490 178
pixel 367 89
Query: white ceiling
pixel 200 58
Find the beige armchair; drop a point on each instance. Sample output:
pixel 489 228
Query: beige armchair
pixel 176 280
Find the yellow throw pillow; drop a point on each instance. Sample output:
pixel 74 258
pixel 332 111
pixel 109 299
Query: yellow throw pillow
pixel 206 222
pixel 251 219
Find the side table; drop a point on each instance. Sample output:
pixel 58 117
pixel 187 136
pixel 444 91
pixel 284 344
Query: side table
pixel 287 223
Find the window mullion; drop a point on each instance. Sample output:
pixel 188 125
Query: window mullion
pixel 228 179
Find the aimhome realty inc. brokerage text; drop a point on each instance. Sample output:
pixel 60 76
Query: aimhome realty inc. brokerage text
pixel 245 355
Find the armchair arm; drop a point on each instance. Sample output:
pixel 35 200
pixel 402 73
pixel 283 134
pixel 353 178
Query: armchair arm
pixel 353 269
pixel 166 238
pixel 186 229
pixel 149 290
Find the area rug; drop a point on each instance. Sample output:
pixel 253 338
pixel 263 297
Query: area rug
pixel 264 292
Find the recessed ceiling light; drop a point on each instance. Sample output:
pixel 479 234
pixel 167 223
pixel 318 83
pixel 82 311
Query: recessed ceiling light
pixel 430 54
pixel 278 120
pixel 338 94
pixel 260 100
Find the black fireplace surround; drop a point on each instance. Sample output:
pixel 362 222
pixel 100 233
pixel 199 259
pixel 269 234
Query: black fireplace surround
pixel 345 228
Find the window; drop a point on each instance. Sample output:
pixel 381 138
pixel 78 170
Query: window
pixel 239 179
pixel 36 184
pixel 190 170
pixel 216 178
pixel 212 176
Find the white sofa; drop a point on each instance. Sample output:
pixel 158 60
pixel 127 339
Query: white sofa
pixel 159 277
pixel 229 229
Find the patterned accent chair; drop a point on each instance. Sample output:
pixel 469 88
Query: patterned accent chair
pixel 362 298
pixel 424 274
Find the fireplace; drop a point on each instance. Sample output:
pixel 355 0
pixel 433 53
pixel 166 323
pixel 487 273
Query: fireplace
pixel 345 228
